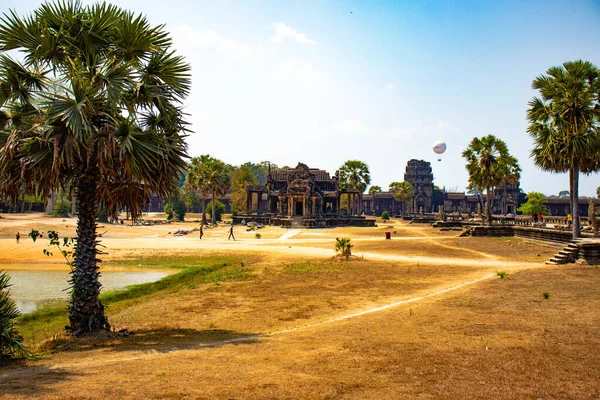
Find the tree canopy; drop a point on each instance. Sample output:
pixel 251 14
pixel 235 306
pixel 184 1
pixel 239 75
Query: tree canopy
pixel 94 105
pixel 374 189
pixel 354 174
pixel 564 123
pixel 489 164
pixel 535 205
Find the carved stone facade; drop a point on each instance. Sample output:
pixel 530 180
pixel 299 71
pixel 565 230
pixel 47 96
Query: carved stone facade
pixel 303 193
pixel 419 174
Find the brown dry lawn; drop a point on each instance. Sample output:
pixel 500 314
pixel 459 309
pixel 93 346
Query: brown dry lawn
pixel 292 330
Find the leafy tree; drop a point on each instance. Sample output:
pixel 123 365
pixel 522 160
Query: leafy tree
pixel 535 205
pixel 489 164
pixel 11 343
pixel 176 208
pixel 241 177
pixel 99 92
pixel 208 175
pixel 385 216
pixel 354 174
pixel 565 124
pixel 375 189
pixel 219 209
pixel 343 247
pixel 403 191
pixel 260 170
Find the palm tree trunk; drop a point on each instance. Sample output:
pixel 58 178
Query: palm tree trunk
pixel 488 213
pixel 86 312
pixel 214 207
pixel 203 209
pixel 574 178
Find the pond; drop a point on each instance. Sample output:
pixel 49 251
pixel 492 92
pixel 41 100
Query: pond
pixel 33 290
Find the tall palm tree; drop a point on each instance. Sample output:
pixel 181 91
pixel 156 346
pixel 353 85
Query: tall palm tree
pixel 403 191
pixel 354 174
pixel 565 124
pixel 101 90
pixel 489 164
pixel 196 170
pixel 215 178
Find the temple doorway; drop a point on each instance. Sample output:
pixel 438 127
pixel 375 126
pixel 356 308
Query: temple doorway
pixel 299 208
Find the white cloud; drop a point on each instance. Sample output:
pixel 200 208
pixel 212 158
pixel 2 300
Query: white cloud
pixel 186 38
pixel 282 32
pixel 391 87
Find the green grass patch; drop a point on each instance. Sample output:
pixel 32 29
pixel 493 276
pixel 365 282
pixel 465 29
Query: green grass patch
pixel 175 261
pixel 47 322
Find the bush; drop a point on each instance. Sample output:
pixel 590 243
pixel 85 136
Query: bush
pixel 11 343
pixel 61 209
pixel 385 216
pixel 169 211
pixel 257 235
pixel 175 209
pixel 220 210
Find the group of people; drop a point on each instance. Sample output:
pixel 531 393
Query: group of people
pixel 231 236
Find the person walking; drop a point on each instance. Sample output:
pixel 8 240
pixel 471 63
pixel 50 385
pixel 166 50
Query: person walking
pixel 18 237
pixel 569 219
pixel 231 233
pixel 201 230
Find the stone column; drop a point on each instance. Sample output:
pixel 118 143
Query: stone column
pixel 249 203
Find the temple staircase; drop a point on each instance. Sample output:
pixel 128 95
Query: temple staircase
pixel 297 222
pixel 568 255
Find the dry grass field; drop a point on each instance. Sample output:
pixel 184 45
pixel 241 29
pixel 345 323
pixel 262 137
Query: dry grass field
pixel 423 315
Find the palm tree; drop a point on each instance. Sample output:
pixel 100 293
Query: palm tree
pixel 403 191
pixel 565 124
pixel 354 174
pixel 489 164
pixel 215 178
pixel 196 170
pixel 101 92
pixel 343 247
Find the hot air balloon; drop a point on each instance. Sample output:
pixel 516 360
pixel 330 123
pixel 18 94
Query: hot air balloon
pixel 439 147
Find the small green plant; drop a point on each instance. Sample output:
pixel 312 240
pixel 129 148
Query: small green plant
pixel 546 295
pixel 343 247
pixel 385 216
pixel 502 274
pixel 257 235
pixel 243 264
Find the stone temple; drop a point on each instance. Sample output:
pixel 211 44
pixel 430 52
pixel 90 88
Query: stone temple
pixel 303 197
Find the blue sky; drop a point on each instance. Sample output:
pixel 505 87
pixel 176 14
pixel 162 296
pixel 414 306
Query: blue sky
pixel 321 82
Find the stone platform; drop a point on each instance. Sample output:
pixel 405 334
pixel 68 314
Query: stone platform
pixel 305 222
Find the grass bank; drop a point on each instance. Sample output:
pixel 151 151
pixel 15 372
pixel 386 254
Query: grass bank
pixel 46 323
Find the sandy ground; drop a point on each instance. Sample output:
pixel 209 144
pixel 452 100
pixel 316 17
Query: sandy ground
pixel 423 315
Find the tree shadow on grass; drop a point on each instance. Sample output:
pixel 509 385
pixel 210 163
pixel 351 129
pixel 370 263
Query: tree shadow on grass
pixel 160 340
pixel 27 381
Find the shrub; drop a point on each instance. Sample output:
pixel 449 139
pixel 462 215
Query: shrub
pixel 546 295
pixel 61 209
pixel 502 274
pixel 169 211
pixel 385 216
pixel 343 247
pixel 257 235
pixel 220 210
pixel 175 209
pixel 11 343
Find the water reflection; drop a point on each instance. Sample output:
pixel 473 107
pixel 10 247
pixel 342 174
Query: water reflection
pixel 32 290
